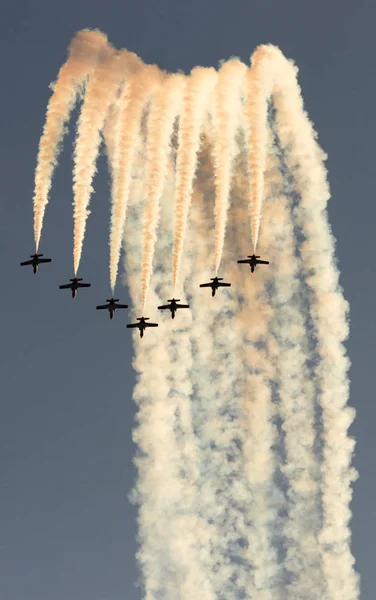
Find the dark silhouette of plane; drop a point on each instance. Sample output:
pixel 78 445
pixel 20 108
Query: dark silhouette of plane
pixel 252 261
pixel 215 284
pixel 74 285
pixel 142 325
pixel 173 306
pixel 35 262
pixel 112 306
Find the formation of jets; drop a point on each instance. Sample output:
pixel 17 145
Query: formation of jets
pixel 113 303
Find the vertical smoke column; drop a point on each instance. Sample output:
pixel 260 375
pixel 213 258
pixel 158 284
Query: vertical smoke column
pixel 289 352
pixel 253 323
pixel 198 90
pixel 100 93
pixel 175 540
pixel 258 88
pixel 225 111
pixel 163 112
pixel 137 92
pixel 83 54
pixel 329 314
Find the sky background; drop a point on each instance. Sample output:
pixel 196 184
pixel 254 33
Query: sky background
pixel 67 527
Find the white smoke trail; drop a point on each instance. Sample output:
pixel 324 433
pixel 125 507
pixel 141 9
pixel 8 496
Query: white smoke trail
pixel 164 110
pixel 136 94
pixel 199 87
pixel 289 354
pixel 328 310
pixel 83 54
pixel 258 88
pixel 226 111
pixel 258 371
pixel 175 541
pixel 100 93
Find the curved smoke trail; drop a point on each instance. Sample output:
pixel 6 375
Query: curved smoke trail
pixel 100 93
pixel 164 110
pixel 84 51
pixel 329 314
pixel 226 111
pixel 198 90
pixel 258 90
pixel 136 94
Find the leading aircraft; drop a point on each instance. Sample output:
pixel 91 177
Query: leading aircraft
pixel 215 284
pixel 112 305
pixel 74 285
pixel 142 325
pixel 252 261
pixel 35 262
pixel 173 306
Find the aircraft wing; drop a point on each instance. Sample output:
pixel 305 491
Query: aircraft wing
pixel 102 307
pixel 121 305
pixel 182 306
pixel 27 262
pixel 82 285
pixel 164 307
pixel 224 284
pixel 151 324
pixel 44 260
pixel 262 262
pixel 66 286
pixel 206 284
pixel 133 325
pixel 246 261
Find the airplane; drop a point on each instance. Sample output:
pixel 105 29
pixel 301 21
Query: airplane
pixel 112 306
pixel 74 285
pixel 252 261
pixel 216 283
pixel 173 306
pixel 35 262
pixel 142 325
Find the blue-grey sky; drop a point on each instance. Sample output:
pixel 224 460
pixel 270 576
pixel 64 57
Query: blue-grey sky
pixel 67 528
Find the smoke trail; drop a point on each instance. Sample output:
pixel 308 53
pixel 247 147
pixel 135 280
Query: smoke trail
pixel 304 577
pixel 100 93
pixel 83 54
pixel 254 320
pixel 136 94
pixel 164 110
pixel 175 541
pixel 328 310
pixel 226 111
pixel 199 87
pixel 258 89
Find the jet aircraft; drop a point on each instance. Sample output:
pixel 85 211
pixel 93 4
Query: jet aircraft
pixel 215 284
pixel 35 262
pixel 142 325
pixel 74 285
pixel 112 305
pixel 252 261
pixel 173 306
